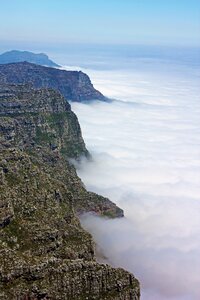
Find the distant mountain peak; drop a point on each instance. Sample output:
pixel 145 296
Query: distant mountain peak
pixel 14 56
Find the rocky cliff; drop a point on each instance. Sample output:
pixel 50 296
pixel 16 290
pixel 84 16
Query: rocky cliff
pixel 73 85
pixel 44 251
pixel 14 56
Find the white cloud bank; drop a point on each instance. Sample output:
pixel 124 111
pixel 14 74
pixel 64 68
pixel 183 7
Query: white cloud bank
pixel 146 158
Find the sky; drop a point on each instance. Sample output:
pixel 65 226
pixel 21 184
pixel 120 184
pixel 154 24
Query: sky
pixel 106 22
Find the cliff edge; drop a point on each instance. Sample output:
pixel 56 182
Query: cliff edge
pixel 73 85
pixel 44 251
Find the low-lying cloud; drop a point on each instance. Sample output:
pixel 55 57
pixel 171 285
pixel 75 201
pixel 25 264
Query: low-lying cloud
pixel 146 158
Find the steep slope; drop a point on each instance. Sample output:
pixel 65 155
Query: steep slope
pixel 44 252
pixel 14 56
pixel 73 85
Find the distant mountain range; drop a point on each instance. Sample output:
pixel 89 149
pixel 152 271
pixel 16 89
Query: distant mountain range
pixel 14 56
pixel 73 85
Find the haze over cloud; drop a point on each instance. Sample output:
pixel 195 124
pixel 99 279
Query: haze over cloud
pixel 146 158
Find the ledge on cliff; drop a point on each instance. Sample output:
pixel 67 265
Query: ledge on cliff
pixel 73 85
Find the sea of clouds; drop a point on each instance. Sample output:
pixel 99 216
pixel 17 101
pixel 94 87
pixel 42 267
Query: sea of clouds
pixel 146 158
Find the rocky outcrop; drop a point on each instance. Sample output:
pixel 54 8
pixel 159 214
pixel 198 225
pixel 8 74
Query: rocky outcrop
pixel 73 85
pixel 44 251
pixel 14 56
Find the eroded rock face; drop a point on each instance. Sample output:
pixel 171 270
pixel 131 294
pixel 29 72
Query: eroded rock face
pixel 73 85
pixel 44 251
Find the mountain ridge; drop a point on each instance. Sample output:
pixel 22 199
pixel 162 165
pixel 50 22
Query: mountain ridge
pixel 73 85
pixel 14 56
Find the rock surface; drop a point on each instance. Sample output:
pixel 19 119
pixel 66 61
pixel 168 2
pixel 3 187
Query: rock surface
pixel 44 251
pixel 73 85
pixel 14 56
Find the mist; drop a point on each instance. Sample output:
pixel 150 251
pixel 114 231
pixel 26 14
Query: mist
pixel 146 158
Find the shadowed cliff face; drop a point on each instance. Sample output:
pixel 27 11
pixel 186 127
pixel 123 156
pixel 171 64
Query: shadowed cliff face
pixel 44 252
pixel 73 85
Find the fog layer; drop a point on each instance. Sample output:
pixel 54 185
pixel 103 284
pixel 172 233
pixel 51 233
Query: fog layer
pixel 146 158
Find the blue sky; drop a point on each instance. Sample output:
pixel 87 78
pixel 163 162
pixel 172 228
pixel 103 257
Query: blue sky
pixel 100 21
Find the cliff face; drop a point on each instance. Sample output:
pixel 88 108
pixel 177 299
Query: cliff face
pixel 73 85
pixel 44 251
pixel 21 56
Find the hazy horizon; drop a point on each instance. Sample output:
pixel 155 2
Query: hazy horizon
pixel 103 22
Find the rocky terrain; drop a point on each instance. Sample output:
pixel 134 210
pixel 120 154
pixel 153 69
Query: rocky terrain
pixel 73 85
pixel 14 56
pixel 44 251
